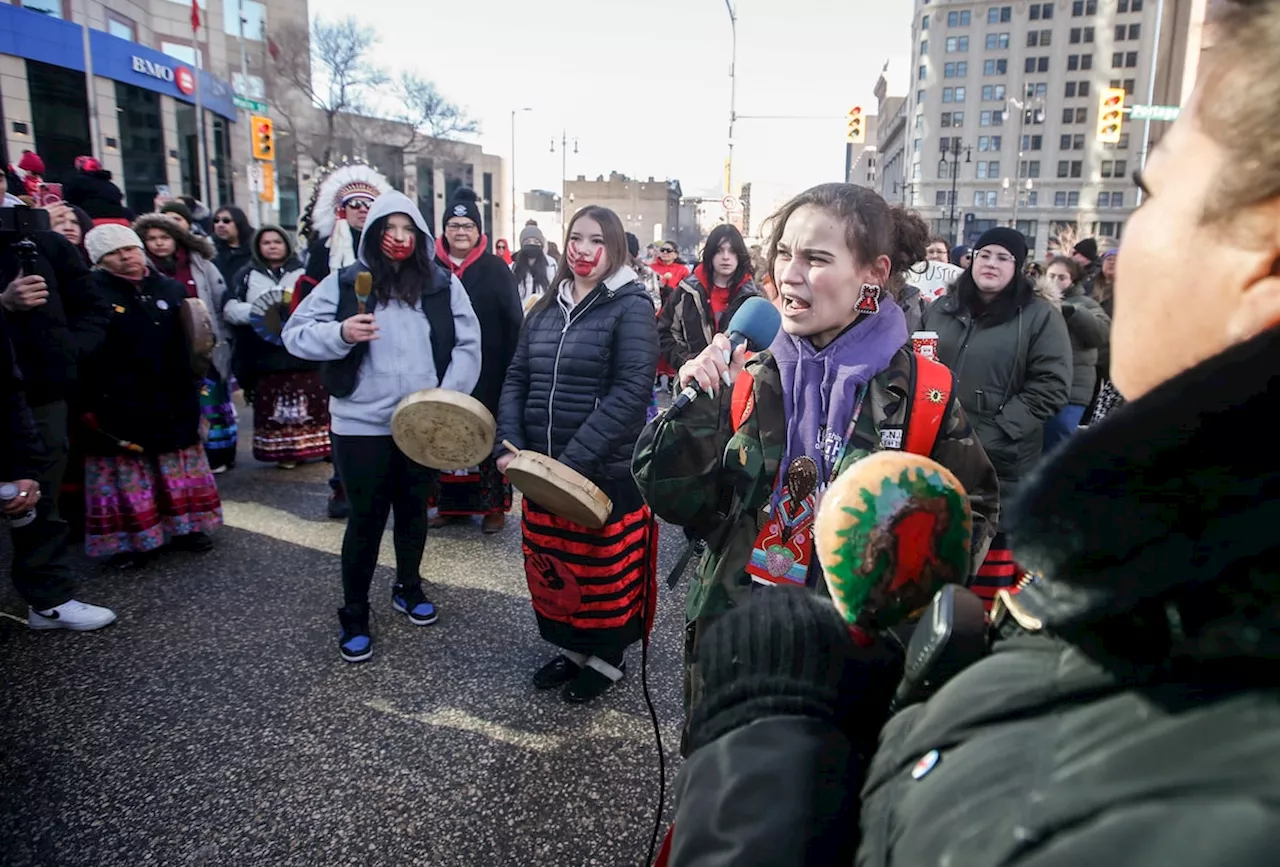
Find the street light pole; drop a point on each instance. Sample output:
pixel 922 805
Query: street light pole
pixel 1151 87
pixel 512 242
pixel 564 174
pixel 733 95
pixel 954 148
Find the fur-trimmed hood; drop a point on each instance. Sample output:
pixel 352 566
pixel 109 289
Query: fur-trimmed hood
pixel 1049 291
pixel 185 238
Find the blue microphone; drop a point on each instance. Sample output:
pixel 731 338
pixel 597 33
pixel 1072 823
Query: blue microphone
pixel 755 323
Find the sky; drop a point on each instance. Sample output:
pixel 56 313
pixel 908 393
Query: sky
pixel 643 85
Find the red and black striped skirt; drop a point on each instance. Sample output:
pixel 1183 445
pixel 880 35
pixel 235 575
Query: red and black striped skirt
pixel 594 591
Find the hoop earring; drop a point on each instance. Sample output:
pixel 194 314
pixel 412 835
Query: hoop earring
pixel 869 301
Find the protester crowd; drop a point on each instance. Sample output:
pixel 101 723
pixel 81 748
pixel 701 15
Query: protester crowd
pixel 1122 557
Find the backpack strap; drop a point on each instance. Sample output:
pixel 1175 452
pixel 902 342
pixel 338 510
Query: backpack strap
pixel 930 397
pixel 437 306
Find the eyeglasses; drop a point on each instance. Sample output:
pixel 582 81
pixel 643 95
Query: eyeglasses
pixel 226 220
pixel 358 204
pixel 668 250
pixel 459 227
pixel 1002 258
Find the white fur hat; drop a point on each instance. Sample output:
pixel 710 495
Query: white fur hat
pixel 108 238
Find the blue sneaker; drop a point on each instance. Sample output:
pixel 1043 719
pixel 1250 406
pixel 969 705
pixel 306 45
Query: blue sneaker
pixel 354 642
pixel 411 601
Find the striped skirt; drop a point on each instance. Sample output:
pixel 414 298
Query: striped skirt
pixel 594 591
pixel 999 571
pixel 136 503
pixel 219 413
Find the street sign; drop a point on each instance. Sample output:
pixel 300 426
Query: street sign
pixel 1155 112
pixel 268 192
pixel 255 177
pixel 255 105
pixel 731 203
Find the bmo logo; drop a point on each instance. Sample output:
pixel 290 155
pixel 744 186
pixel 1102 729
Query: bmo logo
pixel 182 77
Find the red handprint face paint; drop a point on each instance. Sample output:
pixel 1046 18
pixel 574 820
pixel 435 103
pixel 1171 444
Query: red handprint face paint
pixel 582 262
pixel 397 251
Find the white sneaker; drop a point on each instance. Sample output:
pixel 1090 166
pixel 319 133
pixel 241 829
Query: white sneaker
pixel 73 615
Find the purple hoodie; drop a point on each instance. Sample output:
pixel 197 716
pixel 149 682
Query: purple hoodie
pixel 820 388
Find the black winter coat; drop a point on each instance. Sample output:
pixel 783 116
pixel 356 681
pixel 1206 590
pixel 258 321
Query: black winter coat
pixel 97 195
pixel 139 386
pixel 232 260
pixel 1129 713
pixel 580 382
pixel 492 289
pixel 687 323
pixel 1012 364
pixel 52 340
pixel 20 445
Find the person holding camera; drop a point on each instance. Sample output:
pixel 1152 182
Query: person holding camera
pixel 55 320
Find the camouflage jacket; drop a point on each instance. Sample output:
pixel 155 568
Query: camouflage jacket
pixel 696 471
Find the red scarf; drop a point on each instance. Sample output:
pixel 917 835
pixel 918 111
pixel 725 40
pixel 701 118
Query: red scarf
pixel 720 297
pixel 476 252
pixel 179 268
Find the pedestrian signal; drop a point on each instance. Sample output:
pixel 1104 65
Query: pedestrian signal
pixel 1110 114
pixel 857 133
pixel 264 138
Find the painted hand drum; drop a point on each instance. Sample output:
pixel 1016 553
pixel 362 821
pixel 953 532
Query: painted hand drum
pixel 442 429
pixel 197 324
pixel 891 530
pixel 268 314
pixel 560 490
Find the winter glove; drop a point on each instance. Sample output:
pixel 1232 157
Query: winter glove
pixel 787 652
pixel 1068 310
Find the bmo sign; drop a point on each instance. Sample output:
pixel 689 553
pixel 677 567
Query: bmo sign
pixel 180 76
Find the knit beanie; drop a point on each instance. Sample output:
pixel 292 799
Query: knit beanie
pixel 31 162
pixel 180 209
pixel 533 233
pixel 465 203
pixel 788 652
pixel 633 245
pixel 958 252
pixel 1088 248
pixel 107 238
pixel 1011 239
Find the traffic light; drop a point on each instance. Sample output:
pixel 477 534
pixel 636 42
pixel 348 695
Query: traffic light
pixel 1110 114
pixel 264 138
pixel 857 132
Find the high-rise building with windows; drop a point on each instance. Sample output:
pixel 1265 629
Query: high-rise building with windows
pixel 1000 118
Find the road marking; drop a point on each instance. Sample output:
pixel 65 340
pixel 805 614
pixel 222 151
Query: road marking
pixel 450 561
pixel 609 723
pixel 22 620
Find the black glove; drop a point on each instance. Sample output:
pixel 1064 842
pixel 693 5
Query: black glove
pixel 788 652
pixel 1068 310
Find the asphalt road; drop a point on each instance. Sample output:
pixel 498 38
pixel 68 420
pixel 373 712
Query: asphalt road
pixel 215 724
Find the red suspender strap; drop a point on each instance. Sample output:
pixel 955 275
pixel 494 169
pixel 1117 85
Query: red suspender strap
pixel 744 400
pixel 928 405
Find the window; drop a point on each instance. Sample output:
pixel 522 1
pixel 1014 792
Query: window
pixel 118 25
pixel 941 196
pixel 995 67
pixel 1135 31
pixel 255 19
pixel 916 145
pixel 1122 168
pixel 998 14
pixel 1064 143
pixel 1123 144
pixel 945 170
pixel 919 98
pixel 1033 116
pixel 922 73
pixel 953 94
pixel 1084 88
pixel 1046 37
pixel 987 169
pixel 961 69
pixel 1034 13
pixel 915 172
pixel 993 92
pixel 1032 142
pixel 1071 89
pixel 924 48
pixel 1122 5
pixel 1073 200
pixel 1086 61
pixel 1117 60
pixel 1128 86
pixel 52 8
pixel 1037 89
pixel 1060 200
pixel 1077 142
pixel 988 143
pixel 957 44
pixel 997 40
pixel 953 118
pixel 948 144
pixel 924 23
pixel 1033 198
pixel 1036 64
pixel 1131 60
pixel 1077 168
pixel 919 121
pixel 182 51
pixel 958 19
pixel 1068 115
pixel 1084 7
pixel 1029 169
pixel 1046 11
pixel 1121 30
pixel 1117 200
pixel 1064 168
pixel 1073 62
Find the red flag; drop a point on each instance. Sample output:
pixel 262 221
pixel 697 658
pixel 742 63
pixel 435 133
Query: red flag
pixel 195 15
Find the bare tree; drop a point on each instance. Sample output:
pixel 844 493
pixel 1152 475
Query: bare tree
pixel 329 72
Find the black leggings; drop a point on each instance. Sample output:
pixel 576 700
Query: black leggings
pixel 380 479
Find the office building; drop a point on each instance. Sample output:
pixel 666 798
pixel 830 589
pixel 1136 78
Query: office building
pixel 650 209
pixel 1001 114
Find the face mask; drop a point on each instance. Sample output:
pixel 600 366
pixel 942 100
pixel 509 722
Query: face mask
pixel 395 251
pixel 531 251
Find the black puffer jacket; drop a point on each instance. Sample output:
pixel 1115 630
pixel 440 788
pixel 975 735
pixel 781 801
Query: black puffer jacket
pixel 580 382
pixel 139 386
pixel 51 341
pixel 1129 717
pixel 20 445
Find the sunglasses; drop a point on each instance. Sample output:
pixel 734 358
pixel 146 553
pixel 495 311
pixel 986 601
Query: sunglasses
pixel 358 204
pixel 226 220
pixel 668 250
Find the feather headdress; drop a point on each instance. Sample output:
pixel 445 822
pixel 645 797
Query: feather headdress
pixel 338 185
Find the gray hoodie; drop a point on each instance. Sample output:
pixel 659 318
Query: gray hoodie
pixel 399 361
